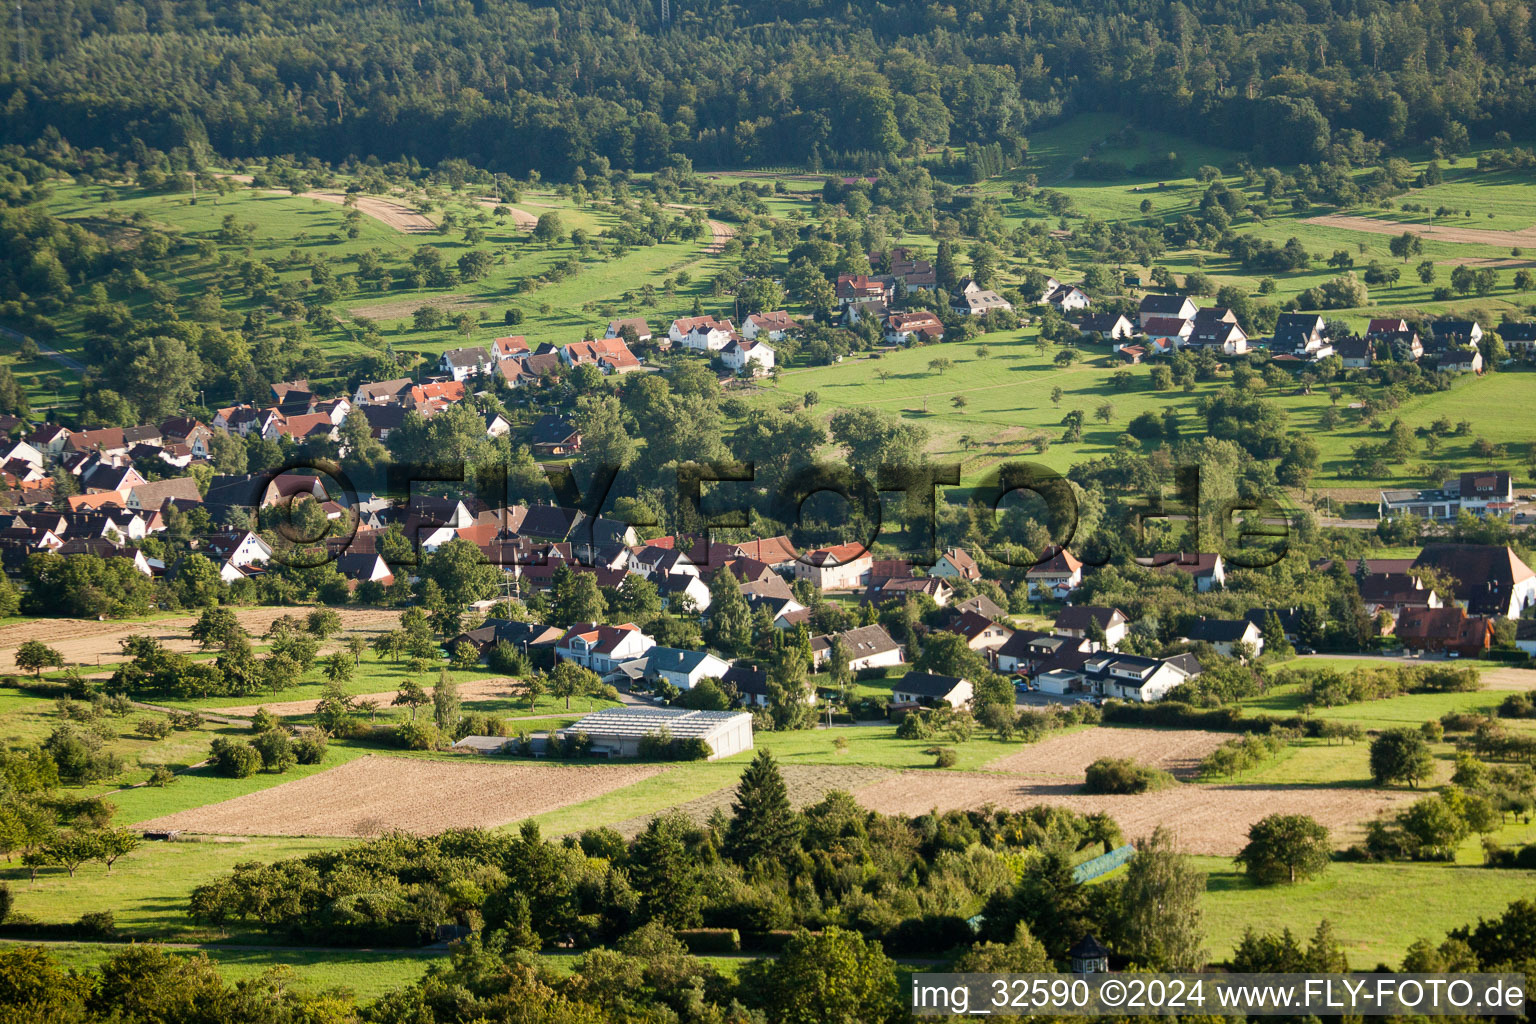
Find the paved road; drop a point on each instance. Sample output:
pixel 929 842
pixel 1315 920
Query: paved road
pixel 68 362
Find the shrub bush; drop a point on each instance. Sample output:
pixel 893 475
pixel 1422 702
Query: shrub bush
pixel 702 941
pixel 235 759
pixel 309 748
pixel 153 728
pixel 416 735
pixel 276 750
pixel 943 757
pixel 1122 775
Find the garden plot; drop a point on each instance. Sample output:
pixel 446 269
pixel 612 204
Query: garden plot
pixel 373 795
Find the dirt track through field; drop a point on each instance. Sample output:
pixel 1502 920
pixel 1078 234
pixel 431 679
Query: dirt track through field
pixel 1206 819
pixel 1442 232
pixel 807 784
pixel 374 794
pixel 400 309
pixel 480 689
pixel 398 215
pixel 1066 757
pixel 524 220
pixel 87 641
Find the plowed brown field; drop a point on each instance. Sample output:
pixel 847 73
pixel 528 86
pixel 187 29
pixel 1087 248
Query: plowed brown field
pixel 84 641
pixel 375 794
pixel 1205 819
pixel 1066 757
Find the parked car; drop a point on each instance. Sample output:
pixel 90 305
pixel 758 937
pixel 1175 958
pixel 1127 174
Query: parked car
pixel 1305 650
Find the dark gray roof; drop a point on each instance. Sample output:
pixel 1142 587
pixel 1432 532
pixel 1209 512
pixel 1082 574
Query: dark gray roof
pixel 925 684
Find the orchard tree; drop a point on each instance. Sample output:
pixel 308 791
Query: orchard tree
pixel 34 656
pixel 1401 755
pixel 1285 847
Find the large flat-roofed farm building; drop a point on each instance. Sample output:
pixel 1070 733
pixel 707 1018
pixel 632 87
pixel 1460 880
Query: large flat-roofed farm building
pixel 620 730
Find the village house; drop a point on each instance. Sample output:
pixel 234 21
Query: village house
pixel 747 357
pixel 1356 353
pixel 908 270
pixel 956 564
pixel 913 328
pixel 637 324
pixel 1477 493
pixel 364 567
pixel 530 638
pixel 1225 635
pixel 1074 621
pixel 853 288
pixel 971 299
pixel 1458 333
pixel 1206 568
pixel 430 399
pixel 1444 630
pixel 702 333
pixel 1067 297
pixel 464 363
pixel 775 326
pixel 1167 334
pixel 1174 307
pixel 683 669
pixel 883 588
pixel 1519 337
pixel 1298 334
pixel 835 568
pixel 927 690
pixel 980 632
pixel 1456 359
pixel 602 648
pixel 236 552
pixel 513 346
pixel 1111 327
pixel 1136 678
pixel 610 355
pixel 293 397
pixel 378 392
pixel 554 435
pixel 1055 577
pixel 868 647
pixel 1394 593
pixel 1490 579
pixel 1219 331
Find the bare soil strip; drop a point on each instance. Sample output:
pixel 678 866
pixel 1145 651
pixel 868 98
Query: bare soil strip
pixel 399 309
pixel 374 794
pixel 396 214
pixel 85 641
pixel 524 220
pixel 1443 232
pixel 1067 756
pixel 1206 819
pixel 1509 679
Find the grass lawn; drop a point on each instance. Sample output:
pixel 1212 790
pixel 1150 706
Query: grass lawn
pixel 368 975
pixel 1377 910
pixel 147 890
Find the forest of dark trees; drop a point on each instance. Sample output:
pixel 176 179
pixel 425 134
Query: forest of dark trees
pixel 598 83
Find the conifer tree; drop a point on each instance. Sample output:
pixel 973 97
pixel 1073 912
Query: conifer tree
pixel 764 825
